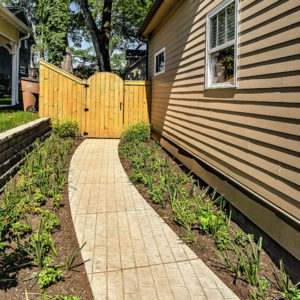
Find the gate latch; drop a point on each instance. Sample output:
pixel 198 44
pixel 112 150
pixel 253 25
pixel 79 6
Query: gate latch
pixel 86 109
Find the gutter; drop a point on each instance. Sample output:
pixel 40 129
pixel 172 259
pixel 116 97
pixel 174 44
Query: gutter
pixel 154 7
pixel 235 182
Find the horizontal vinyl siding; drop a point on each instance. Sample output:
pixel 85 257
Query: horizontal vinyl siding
pixel 251 133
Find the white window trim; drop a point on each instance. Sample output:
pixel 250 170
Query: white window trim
pixel 156 54
pixel 209 51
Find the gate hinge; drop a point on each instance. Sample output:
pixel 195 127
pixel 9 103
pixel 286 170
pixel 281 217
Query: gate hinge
pixel 85 133
pixel 86 85
pixel 86 109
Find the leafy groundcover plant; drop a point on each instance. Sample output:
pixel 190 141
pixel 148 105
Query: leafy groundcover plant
pixel 28 218
pixel 200 212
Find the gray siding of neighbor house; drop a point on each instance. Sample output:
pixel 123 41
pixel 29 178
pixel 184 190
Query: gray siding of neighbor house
pixel 250 133
pixel 6 59
pixel 137 71
pixel 25 57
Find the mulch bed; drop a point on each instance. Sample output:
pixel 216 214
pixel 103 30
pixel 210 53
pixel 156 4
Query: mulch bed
pixel 205 243
pixel 76 281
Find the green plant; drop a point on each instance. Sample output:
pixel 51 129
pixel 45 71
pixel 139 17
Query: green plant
pixel 40 244
pixel 263 284
pixel 72 256
pixel 156 194
pixel 66 128
pixel 222 236
pixel 51 221
pixel 137 133
pixel 240 238
pixel 39 198
pixel 251 263
pixel 234 264
pixel 184 216
pixel 284 284
pixel 49 276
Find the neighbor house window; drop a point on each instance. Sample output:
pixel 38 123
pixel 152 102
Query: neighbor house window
pixel 160 62
pixel 221 46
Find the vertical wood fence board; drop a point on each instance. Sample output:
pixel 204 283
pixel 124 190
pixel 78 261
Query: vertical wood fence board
pixel 41 95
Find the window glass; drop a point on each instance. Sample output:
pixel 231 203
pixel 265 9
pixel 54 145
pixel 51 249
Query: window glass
pixel 5 77
pixel 213 32
pixel 222 26
pixel 223 65
pixel 160 62
pixel 220 69
pixel 230 28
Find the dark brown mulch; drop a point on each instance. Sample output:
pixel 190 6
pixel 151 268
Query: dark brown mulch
pixel 205 243
pixel 75 282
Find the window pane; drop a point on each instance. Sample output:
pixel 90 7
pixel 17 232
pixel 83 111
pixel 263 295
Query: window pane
pixel 230 22
pixel 157 64
pixel 160 62
pixel 213 32
pixel 223 65
pixel 221 27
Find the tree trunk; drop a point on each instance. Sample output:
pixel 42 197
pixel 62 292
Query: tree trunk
pixel 105 31
pixel 66 63
pixel 100 38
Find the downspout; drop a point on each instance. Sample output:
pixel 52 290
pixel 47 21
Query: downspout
pixel 18 65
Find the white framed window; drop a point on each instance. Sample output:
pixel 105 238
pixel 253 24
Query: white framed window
pixel 160 62
pixel 221 46
pixel 22 70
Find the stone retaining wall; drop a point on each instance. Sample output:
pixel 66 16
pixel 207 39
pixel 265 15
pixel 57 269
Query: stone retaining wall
pixel 13 144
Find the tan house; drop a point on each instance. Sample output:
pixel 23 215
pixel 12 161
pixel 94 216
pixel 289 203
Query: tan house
pixel 226 102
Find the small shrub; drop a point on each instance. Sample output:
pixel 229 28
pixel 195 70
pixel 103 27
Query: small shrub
pixel 136 133
pixel 66 128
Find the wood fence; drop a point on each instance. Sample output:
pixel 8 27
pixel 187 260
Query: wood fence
pixel 103 105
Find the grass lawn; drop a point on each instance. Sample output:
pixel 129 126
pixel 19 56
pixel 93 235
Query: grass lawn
pixel 12 118
pixel 6 100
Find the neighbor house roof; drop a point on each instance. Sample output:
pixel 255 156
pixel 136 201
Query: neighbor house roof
pixel 157 13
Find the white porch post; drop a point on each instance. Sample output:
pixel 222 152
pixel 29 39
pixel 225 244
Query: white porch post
pixel 15 76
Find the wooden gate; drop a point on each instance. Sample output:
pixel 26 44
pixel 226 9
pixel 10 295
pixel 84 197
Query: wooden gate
pixel 103 105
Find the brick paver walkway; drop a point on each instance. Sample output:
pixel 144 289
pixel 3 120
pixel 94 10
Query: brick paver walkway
pixel 132 252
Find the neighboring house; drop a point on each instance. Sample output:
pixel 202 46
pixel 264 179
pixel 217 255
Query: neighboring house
pixel 226 102
pixel 137 60
pixel 15 46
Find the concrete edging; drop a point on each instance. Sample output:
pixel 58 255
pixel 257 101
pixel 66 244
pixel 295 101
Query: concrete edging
pixel 14 143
